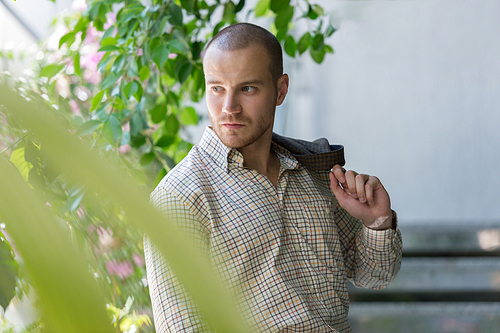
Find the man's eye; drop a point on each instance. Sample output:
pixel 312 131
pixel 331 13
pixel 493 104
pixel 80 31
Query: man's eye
pixel 248 88
pixel 216 88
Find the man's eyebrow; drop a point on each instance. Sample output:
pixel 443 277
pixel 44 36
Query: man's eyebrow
pixel 252 82
pixel 213 82
pixel 244 83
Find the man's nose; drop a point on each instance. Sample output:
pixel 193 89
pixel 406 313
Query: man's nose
pixel 231 104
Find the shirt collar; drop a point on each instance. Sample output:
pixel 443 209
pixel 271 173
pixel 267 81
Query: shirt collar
pixel 227 158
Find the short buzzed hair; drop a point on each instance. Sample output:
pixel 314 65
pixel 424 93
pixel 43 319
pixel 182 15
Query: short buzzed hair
pixel 242 35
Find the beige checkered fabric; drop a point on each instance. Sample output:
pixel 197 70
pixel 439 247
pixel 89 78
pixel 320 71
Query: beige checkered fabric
pixel 287 251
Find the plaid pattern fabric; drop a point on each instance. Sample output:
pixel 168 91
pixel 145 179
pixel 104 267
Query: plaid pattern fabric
pixel 287 251
pixel 318 155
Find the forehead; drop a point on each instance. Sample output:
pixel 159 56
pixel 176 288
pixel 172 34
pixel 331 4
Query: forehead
pixel 252 61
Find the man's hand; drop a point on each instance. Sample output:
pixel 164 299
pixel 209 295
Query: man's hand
pixel 362 196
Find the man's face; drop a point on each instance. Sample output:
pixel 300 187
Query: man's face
pixel 241 94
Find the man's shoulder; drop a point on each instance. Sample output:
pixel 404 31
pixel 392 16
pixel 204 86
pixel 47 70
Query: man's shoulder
pixel 186 172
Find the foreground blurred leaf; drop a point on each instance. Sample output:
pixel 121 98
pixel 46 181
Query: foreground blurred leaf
pixel 8 272
pixel 70 299
pixel 59 274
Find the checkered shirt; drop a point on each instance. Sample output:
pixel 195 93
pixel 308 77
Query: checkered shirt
pixel 287 250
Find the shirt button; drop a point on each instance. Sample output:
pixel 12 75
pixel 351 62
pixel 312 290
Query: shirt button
pixel 297 247
pixel 327 210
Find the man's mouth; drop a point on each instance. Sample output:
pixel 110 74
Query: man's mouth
pixel 232 125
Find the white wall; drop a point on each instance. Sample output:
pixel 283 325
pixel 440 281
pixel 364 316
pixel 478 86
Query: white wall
pixel 413 92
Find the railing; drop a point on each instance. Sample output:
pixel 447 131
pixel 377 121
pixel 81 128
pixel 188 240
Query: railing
pixel 449 282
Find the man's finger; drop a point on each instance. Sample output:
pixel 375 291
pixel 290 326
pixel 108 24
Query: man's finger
pixel 360 187
pixel 350 177
pixel 370 186
pixel 339 173
pixel 337 190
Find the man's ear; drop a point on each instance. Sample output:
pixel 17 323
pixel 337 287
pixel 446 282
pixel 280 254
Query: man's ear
pixel 283 82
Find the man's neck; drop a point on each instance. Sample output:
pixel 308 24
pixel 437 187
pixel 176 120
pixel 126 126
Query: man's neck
pixel 259 156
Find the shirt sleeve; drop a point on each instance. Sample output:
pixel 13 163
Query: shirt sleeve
pixel 372 257
pixel 173 308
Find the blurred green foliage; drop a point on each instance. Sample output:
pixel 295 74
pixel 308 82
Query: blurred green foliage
pixel 125 77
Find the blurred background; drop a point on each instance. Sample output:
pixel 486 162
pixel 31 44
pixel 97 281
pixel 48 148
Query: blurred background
pixel 412 92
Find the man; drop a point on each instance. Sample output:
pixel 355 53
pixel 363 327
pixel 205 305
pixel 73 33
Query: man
pixel 284 237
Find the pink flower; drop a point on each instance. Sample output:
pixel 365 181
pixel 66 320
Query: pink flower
pixel 124 149
pixel 138 259
pixel 139 52
pixel 80 213
pixel 75 108
pixel 91 60
pixel 92 77
pixel 79 5
pixel 110 21
pixel 105 236
pixel 122 269
pixel 93 36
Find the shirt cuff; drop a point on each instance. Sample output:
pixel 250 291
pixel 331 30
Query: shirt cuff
pixel 381 240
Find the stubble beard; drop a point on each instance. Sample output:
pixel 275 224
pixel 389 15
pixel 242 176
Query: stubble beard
pixel 247 135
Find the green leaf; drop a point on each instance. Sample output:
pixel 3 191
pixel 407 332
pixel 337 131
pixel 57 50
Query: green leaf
pixel 24 167
pixel 188 5
pixel 108 48
pixel 175 13
pixel 73 203
pixel 96 100
pixel 279 5
pixel 290 46
pixel 8 272
pixel 50 70
pixel 330 30
pixel 318 42
pixel 160 55
pixel 188 116
pixel 304 43
pixel 229 12
pixel 182 70
pixel 81 25
pixel 171 124
pixel 284 17
pixel 165 141
pixel 139 93
pixel 311 14
pixel 133 68
pixel 69 39
pixel 118 64
pixel 147 158
pixel 262 7
pixel 108 41
pixel 158 113
pixel 176 46
pixel 112 130
pixel 109 81
pixel 144 73
pixel 137 124
pixel 318 9
pixel 87 127
pixel 239 6
pixel 317 56
pixel 328 49
pixel 76 64
pixel 130 89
